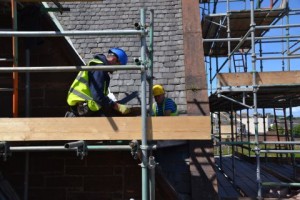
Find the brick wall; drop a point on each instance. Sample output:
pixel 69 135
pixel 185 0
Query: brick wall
pixel 64 176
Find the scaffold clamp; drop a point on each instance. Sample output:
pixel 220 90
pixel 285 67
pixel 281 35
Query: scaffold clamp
pixel 152 162
pixel 256 150
pixel 137 61
pixel 135 148
pixel 80 146
pixel 4 150
pixel 137 26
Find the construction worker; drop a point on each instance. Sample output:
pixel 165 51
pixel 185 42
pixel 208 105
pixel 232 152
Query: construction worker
pixel 87 95
pixel 163 106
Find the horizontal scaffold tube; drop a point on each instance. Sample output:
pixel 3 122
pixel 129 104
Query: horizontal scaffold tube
pixel 280 184
pixel 249 38
pixel 234 143
pixel 279 151
pixel 278 57
pixel 71 68
pixel 6 89
pixel 278 26
pixel 71 145
pixel 280 142
pixel 69 33
pixel 62 148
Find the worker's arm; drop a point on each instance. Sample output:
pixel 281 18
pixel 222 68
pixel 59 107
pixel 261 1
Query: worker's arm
pixel 98 84
pixel 170 107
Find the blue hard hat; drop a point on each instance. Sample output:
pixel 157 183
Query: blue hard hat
pixel 120 53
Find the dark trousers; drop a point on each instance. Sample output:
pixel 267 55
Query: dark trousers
pixel 82 110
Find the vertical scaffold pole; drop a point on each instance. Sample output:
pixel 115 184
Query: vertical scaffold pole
pixel 144 146
pixel 287 29
pixel 292 137
pixel 228 36
pixel 150 55
pixel 150 81
pixel 15 76
pixel 253 60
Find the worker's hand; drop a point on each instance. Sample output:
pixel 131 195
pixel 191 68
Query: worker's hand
pixel 123 109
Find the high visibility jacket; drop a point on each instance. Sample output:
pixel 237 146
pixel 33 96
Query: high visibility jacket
pixel 155 110
pixel 80 91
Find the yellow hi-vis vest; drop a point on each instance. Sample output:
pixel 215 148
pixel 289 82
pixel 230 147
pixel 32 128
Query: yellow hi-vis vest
pixel 154 110
pixel 80 91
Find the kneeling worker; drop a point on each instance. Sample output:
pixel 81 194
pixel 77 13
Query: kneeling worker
pixel 87 95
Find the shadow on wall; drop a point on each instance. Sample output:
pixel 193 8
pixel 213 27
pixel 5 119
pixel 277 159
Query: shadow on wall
pixel 6 191
pixel 174 164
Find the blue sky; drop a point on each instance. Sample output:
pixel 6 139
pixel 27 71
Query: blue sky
pixel 275 49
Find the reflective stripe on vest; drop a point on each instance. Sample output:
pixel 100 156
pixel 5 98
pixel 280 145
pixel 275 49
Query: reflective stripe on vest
pixel 81 79
pixel 80 90
pixel 155 111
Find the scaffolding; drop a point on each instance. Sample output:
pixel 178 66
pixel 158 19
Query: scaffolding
pixel 148 129
pixel 144 65
pixel 238 39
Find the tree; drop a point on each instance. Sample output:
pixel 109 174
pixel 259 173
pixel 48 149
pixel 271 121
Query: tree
pixel 296 130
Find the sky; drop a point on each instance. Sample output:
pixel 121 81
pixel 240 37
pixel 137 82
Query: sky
pixel 273 49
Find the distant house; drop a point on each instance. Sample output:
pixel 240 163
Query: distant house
pixel 243 125
pixel 263 125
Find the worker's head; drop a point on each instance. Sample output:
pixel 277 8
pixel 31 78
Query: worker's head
pixel 158 93
pixel 117 56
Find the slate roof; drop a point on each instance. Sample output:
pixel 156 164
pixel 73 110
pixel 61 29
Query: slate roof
pixel 116 15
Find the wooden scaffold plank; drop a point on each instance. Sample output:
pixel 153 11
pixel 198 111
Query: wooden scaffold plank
pixel 263 78
pixel 104 128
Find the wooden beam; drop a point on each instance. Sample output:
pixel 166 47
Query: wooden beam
pixel 262 78
pixel 102 128
pixel 195 78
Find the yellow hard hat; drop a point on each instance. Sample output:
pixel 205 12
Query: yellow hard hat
pixel 158 90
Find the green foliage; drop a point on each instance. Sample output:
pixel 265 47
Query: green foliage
pixel 296 130
pixel 280 129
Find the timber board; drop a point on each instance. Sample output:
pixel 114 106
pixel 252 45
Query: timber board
pixel 262 78
pixel 274 90
pixel 104 128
